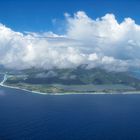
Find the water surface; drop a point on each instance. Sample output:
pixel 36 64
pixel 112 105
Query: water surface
pixel 28 116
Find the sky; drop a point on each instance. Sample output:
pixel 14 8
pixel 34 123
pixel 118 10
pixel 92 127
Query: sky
pixel 66 34
pixel 39 15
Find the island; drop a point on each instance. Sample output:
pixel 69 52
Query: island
pixel 72 81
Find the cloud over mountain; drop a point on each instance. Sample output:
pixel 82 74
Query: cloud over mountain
pixel 102 42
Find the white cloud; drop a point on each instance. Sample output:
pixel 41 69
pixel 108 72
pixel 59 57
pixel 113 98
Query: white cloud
pixel 102 42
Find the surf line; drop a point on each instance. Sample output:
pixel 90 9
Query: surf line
pixel 4 79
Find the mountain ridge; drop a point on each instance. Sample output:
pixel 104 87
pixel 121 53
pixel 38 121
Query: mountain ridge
pixel 79 79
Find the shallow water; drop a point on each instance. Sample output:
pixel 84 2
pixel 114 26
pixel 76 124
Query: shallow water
pixel 29 116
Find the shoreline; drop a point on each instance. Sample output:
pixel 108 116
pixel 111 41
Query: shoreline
pixel 6 86
pixel 68 93
pixel 72 93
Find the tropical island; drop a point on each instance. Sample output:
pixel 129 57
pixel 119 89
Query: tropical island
pixel 72 81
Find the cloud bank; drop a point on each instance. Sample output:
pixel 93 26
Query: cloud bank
pixel 101 42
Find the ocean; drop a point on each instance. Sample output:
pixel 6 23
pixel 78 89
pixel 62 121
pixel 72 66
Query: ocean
pixel 30 116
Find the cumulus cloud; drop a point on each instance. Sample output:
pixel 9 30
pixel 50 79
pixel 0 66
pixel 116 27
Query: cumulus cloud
pixel 101 42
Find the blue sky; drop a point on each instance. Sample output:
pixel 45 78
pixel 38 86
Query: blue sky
pixel 37 15
pixel 53 40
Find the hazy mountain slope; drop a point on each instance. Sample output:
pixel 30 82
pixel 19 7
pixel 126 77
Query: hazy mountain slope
pixel 78 76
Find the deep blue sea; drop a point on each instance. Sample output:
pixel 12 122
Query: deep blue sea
pixel 28 116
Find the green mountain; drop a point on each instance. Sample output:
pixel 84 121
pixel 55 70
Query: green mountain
pixel 79 79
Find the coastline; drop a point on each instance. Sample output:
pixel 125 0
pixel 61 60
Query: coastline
pixel 68 93
pixel 3 85
pixel 72 93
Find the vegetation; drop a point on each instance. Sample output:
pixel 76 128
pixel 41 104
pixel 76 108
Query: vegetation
pixel 73 80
